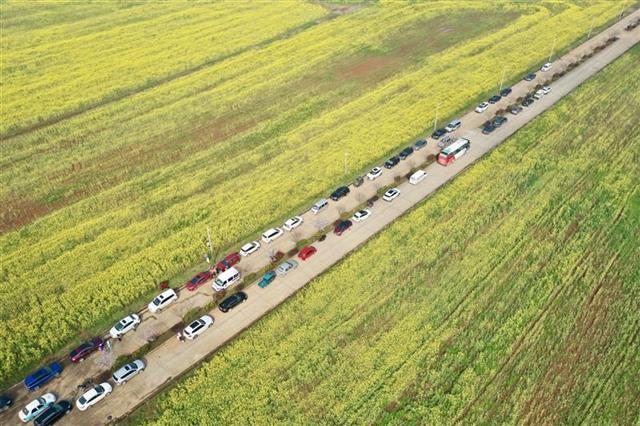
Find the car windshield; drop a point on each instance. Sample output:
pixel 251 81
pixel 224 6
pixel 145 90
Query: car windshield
pixel 99 389
pixel 120 325
pixel 82 400
pixel 194 324
pixel 25 411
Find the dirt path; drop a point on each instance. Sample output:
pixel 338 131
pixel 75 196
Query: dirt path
pixel 172 358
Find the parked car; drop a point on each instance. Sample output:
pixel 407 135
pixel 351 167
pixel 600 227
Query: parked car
pixel 128 371
pixel 494 99
pixel 35 407
pixel 271 234
pixel 445 142
pixel 197 327
pixel 538 95
pixel 546 67
pixel 85 349
pixel 229 261
pixel 286 267
pixel 358 181
pixel 527 101
pixel 489 128
pixel 391 162
pixel 5 402
pixel 546 90
pixel 93 396
pixel 53 413
pixel 307 252
pixel 515 110
pixel 292 223
pixel 232 301
pixel 361 215
pixel 197 280
pixel 482 107
pixel 438 133
pixel 42 376
pixel 421 143
pixel 249 248
pixel 405 153
pixel 226 279
pixel 342 226
pixel 505 92
pixel 339 193
pixel 529 77
pixel 162 300
pixel 375 173
pixel 391 194
pixel 371 201
pixel 499 121
pixel 126 324
pixel 319 206
pixel 267 278
pixel 453 125
pixel 417 177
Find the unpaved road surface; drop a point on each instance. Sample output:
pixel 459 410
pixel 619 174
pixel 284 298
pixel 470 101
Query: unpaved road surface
pixel 173 358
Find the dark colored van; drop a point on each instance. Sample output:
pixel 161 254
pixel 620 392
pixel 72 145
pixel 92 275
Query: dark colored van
pixel 38 378
pixel 52 414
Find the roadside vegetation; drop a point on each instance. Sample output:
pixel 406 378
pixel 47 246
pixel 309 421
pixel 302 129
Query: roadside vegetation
pixel 510 296
pixel 110 180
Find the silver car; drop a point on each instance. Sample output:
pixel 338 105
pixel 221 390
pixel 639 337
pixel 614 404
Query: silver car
pixel 128 371
pixel 286 267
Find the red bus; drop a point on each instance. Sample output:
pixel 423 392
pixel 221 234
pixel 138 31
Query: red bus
pixel 454 151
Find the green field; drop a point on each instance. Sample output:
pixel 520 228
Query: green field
pixel 510 296
pixel 129 128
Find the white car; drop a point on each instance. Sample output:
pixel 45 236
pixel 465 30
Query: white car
pixel 162 300
pixel 35 407
pixel 454 125
pixel 293 223
pixel 198 327
pixel 391 194
pixel 128 371
pixel 482 107
pixel 361 215
pixel 546 67
pixel 375 173
pixel 249 248
pixel 546 90
pixel 286 267
pixel 93 396
pixel 125 325
pixel 271 235
pixel 539 94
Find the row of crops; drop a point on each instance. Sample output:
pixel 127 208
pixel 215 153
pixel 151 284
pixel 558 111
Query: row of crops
pixel 510 296
pixel 128 209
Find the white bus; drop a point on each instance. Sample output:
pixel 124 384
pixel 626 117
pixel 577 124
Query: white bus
pixel 454 151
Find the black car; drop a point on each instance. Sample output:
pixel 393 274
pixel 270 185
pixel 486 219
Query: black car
pixel 420 144
pixel 527 101
pixel 529 77
pixel 505 92
pixel 406 152
pixel 391 162
pixel 494 99
pixel 499 121
pixel 52 414
pixel 515 110
pixel 488 129
pixel 339 193
pixel 5 402
pixel 439 133
pixel 232 301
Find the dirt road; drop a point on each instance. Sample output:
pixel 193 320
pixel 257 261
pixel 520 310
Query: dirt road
pixel 173 358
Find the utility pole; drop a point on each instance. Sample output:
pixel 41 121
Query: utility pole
pixel 552 48
pixel 624 3
pixel 591 28
pixel 346 170
pixel 209 244
pixel 435 120
pixel 504 71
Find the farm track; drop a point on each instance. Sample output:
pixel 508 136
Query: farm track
pixel 123 400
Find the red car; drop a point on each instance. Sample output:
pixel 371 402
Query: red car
pixel 198 280
pixel 228 262
pixel 342 226
pixel 85 349
pixel 307 252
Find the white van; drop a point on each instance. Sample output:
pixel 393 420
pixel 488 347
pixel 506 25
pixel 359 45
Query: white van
pixel 317 207
pixel 226 279
pixel 162 300
pixel 417 177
